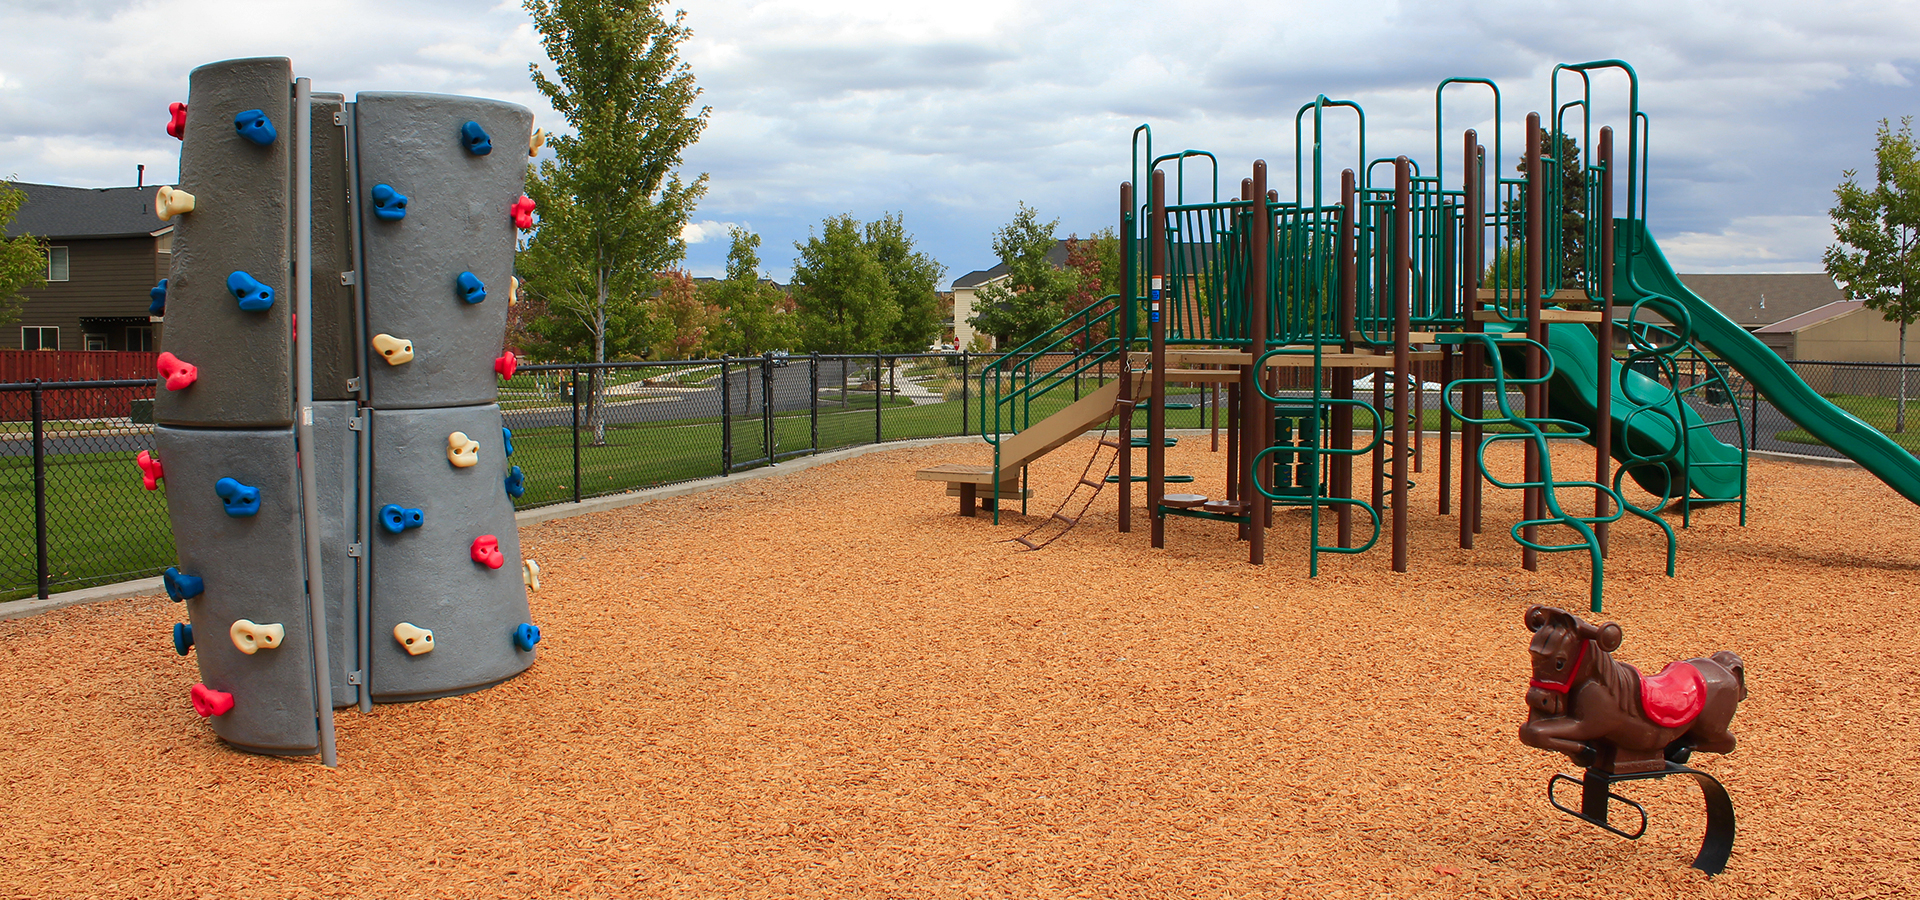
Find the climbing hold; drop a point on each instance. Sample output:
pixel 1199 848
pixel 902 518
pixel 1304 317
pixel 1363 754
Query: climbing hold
pixel 158 294
pixel 388 203
pixel 253 295
pixel 249 637
pixel 209 702
pixel 486 551
pixel 256 127
pixel 530 573
pixel 535 141
pixel 475 139
pixel 241 501
pixel 462 451
pixel 150 470
pixel 415 639
pixel 181 586
pixel 513 289
pixel 394 350
pixel 178 372
pixel 526 636
pixel 505 364
pixel 396 518
pixel 169 202
pixel 470 287
pixel 177 120
pixel 523 212
pixel 506 438
pixel 182 638
pixel 516 482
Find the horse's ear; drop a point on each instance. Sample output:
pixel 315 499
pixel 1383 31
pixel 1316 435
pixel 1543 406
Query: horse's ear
pixel 1536 617
pixel 1609 636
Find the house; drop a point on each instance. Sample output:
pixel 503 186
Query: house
pixel 105 251
pixel 966 292
pixel 1756 301
pixel 1842 331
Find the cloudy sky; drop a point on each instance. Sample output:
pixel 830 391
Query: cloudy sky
pixel 951 115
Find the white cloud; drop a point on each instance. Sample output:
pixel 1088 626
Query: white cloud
pixel 702 232
pixel 1752 244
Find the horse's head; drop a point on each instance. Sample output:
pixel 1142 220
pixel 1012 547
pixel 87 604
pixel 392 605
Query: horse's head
pixel 1559 643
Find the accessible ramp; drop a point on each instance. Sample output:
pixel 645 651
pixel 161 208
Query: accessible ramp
pixel 1642 274
pixel 1036 440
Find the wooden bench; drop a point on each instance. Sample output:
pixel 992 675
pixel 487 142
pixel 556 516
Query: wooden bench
pixel 966 481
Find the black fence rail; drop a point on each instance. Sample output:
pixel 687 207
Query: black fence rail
pixel 73 511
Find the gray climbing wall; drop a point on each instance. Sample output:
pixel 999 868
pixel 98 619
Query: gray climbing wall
pixel 337 473
pixel 426 576
pixel 335 343
pixel 252 568
pixel 458 219
pixel 241 222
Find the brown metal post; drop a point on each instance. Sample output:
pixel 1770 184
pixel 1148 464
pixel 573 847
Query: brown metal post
pixel 1482 361
pixel 1343 377
pixel 1603 419
pixel 1125 431
pixel 1157 329
pixel 1402 352
pixel 1450 246
pixel 1472 400
pixel 1260 422
pixel 1242 452
pixel 1534 498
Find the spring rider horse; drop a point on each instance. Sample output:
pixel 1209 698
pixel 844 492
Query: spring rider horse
pixel 1621 725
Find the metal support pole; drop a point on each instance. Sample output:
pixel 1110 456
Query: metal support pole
pixel 813 401
pixel 965 399
pixel 303 423
pixel 1402 352
pixel 40 488
pixel 766 408
pixel 726 416
pixel 1260 424
pixel 877 363
pixel 1603 418
pixel 1534 498
pixel 1157 332
pixel 1343 377
pixel 573 389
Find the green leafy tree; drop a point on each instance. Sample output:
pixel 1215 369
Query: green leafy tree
pixel 750 315
pixel 688 316
pixel 914 279
pixel 611 204
pixel 1034 295
pixel 842 297
pixel 23 259
pixel 1878 256
pixel 1510 258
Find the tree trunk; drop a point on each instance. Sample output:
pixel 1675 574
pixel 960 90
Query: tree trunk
pixel 596 395
pixel 1900 411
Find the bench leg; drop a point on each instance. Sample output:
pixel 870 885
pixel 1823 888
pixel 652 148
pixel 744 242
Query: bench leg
pixel 966 499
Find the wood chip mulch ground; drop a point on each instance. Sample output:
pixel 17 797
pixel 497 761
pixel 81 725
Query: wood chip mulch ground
pixel 827 684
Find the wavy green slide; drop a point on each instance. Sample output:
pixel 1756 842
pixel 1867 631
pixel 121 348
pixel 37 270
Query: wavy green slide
pixel 1652 278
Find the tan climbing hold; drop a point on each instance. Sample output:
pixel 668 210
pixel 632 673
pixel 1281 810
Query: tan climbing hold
pixel 392 349
pixel 170 202
pixel 251 638
pixel 530 573
pixel 462 451
pixel 415 639
pixel 535 141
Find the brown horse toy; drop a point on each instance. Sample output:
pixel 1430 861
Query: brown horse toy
pixel 1603 713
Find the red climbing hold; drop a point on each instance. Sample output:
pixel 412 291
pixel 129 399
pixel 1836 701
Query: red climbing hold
pixel 506 364
pixel 209 702
pixel 177 127
pixel 150 471
pixel 486 551
pixel 178 372
pixel 523 212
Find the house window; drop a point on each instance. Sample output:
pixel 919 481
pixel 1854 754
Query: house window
pixel 56 263
pixel 96 341
pixel 140 338
pixel 39 337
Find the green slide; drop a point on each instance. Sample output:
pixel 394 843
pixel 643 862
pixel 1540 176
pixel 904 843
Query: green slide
pixel 1652 278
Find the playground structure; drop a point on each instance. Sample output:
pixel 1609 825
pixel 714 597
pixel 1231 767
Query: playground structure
pixel 343 518
pixel 1540 334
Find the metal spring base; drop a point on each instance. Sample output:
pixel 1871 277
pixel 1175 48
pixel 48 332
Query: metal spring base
pixel 1596 790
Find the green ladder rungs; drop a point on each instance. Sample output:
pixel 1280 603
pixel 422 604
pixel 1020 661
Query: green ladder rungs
pixel 1165 442
pixel 1170 479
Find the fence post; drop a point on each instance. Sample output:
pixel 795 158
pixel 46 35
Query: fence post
pixel 766 407
pixel 813 401
pixel 573 379
pixel 876 396
pixel 40 488
pixel 965 375
pixel 726 417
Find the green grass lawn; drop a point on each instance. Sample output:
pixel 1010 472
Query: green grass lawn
pixel 102 526
pixel 1880 412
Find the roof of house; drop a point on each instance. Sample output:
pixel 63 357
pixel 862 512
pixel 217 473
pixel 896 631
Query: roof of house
pixel 1813 317
pixel 57 211
pixel 980 277
pixel 1752 301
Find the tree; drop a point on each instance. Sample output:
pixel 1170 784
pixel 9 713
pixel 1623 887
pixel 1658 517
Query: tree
pixel 750 315
pixel 1510 258
pixel 842 297
pixel 611 204
pixel 1034 295
pixel 23 259
pixel 1878 257
pixel 687 315
pixel 914 279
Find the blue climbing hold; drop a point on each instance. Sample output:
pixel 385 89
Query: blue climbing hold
pixel 241 501
pixel 526 636
pixel 256 127
pixel 253 295
pixel 159 296
pixel 396 518
pixel 181 586
pixel 506 437
pixel 471 288
pixel 389 204
pixel 475 138
pixel 182 638
pixel 516 482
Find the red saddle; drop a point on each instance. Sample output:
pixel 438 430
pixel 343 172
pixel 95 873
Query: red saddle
pixel 1675 696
